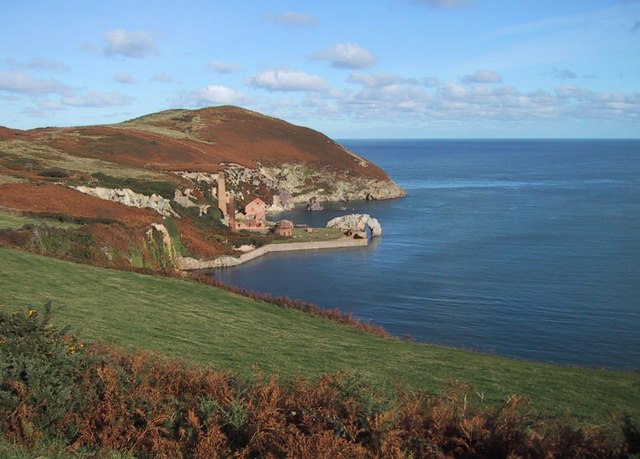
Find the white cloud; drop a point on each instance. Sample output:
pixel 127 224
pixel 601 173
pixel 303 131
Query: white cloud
pixel 129 44
pixel 22 83
pixel 124 78
pixel 569 91
pixel 293 18
pixel 430 82
pixel 32 112
pixel 482 76
pixel 393 94
pixel 38 63
pixel 162 78
pixel 215 94
pixel 446 4
pixel 376 80
pixel 399 101
pixel 348 56
pixel 224 67
pixel 97 99
pixel 288 80
pixel 564 74
pixel 48 104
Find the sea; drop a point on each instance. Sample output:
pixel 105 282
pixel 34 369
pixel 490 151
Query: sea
pixel 528 249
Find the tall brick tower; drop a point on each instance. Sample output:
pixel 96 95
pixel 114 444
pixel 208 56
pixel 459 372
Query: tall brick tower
pixel 222 195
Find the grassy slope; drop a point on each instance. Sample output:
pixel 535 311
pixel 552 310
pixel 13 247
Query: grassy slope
pixel 12 220
pixel 212 326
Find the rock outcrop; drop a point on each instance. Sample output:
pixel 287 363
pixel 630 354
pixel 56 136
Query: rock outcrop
pixel 186 199
pixel 356 223
pixel 194 264
pixel 132 199
pixel 313 205
pixel 304 182
pixel 282 186
pixel 160 243
pixel 282 201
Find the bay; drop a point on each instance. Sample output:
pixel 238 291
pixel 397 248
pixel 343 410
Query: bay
pixel 523 248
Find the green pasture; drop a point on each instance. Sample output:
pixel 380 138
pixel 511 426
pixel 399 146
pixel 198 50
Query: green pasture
pixel 207 325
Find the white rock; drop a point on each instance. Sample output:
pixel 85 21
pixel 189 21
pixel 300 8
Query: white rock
pixel 356 222
pixel 132 199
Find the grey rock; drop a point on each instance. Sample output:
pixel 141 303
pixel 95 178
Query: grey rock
pixel 313 205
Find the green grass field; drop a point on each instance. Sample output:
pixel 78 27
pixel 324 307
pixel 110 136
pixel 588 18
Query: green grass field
pixel 207 325
pixel 316 235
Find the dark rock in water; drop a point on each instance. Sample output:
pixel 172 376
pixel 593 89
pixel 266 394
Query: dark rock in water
pixel 313 205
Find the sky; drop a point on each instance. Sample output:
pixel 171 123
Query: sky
pixel 351 69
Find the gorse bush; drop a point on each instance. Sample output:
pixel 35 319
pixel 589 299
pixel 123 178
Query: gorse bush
pixel 164 189
pixel 55 390
pixel 40 369
pixel 55 172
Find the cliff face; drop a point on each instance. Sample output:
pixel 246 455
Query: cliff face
pixel 294 183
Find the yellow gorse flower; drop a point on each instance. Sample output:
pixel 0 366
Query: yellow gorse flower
pixel 32 313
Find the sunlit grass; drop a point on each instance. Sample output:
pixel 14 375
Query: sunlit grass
pixel 48 157
pixel 204 324
pixel 316 235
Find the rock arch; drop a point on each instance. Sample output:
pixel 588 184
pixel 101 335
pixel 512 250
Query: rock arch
pixel 356 222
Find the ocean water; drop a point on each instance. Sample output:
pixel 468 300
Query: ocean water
pixel 523 248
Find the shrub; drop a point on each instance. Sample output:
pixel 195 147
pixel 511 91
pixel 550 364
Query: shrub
pixel 39 371
pixel 164 189
pixel 64 218
pixel 55 173
pixel 183 118
pixel 26 164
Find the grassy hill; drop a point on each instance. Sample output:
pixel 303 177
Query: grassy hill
pixel 204 324
pixel 196 140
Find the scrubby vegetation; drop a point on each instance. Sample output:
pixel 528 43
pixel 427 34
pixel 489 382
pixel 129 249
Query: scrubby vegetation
pixel 57 389
pixel 148 187
pixel 55 172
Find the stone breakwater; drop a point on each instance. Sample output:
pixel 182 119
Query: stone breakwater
pixel 191 264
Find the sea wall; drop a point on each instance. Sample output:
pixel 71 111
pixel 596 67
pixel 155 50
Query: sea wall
pixel 190 264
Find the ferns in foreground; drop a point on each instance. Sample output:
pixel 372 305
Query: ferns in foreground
pixel 54 389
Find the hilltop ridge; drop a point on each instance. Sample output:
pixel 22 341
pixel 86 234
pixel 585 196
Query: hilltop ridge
pixel 202 140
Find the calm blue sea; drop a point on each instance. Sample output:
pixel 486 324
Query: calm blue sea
pixel 523 248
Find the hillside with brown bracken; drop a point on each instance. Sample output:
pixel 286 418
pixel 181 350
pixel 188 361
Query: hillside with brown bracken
pixel 200 140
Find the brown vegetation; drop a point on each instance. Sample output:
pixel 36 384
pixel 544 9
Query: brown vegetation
pixel 200 140
pixel 50 198
pixel 54 386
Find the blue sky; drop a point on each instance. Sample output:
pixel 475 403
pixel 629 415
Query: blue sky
pixel 381 68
